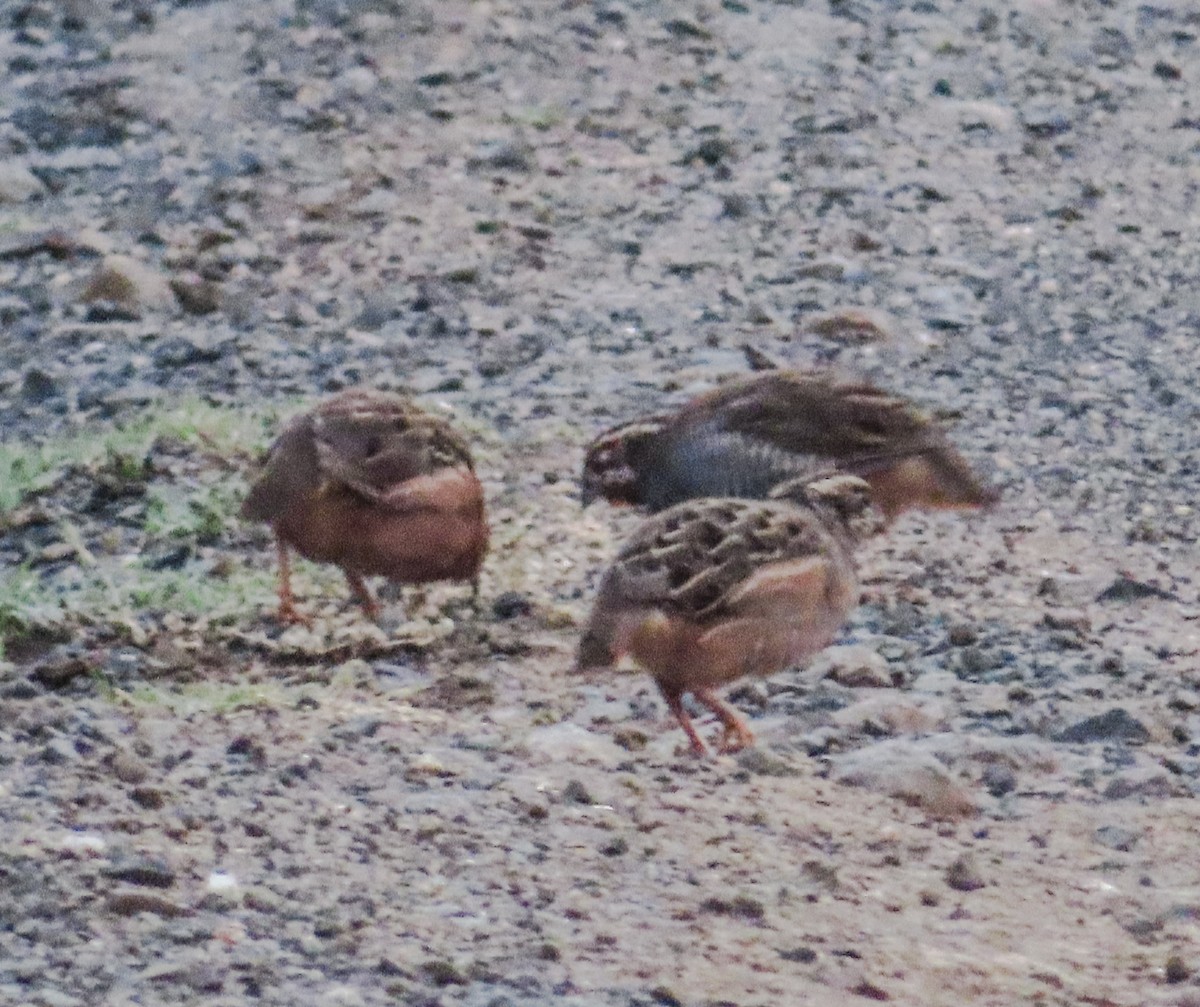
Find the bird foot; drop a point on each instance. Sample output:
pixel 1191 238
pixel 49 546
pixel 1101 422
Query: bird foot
pixel 734 738
pixel 736 734
pixel 696 744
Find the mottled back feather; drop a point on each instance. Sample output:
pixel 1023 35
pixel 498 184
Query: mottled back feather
pixel 815 413
pixel 364 441
pixel 688 560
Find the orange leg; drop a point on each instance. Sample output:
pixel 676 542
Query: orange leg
pixel 674 698
pixel 737 734
pixel 358 587
pixel 288 613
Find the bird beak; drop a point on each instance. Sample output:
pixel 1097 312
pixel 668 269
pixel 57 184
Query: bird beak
pixel 586 496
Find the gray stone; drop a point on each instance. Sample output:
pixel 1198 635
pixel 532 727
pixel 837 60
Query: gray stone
pixel 853 666
pixel 963 874
pixel 1112 725
pixel 18 184
pixel 999 779
pixel 1149 782
pixel 1116 837
pixel 141 870
pixel 908 773
pixel 48 996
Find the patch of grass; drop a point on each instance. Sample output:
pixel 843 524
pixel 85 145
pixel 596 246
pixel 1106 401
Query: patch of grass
pixel 27 468
pixel 219 599
pixel 539 117
pixel 211 697
pixel 128 596
pixel 184 458
pixel 197 514
pixel 24 605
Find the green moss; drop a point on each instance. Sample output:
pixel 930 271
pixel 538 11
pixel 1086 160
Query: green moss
pixel 211 696
pixel 186 493
pixel 28 468
pixel 195 514
pixel 24 605
pixel 539 117
pixel 187 593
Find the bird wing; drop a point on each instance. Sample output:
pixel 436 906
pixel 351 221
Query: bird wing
pixel 707 459
pixel 692 559
pixel 384 444
pixel 372 443
pixel 818 415
pixel 781 589
pixel 782 613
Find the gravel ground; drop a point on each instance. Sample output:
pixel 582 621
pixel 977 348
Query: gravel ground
pixel 543 218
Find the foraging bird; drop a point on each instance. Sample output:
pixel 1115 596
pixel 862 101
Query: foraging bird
pixel 712 590
pixel 745 437
pixel 372 483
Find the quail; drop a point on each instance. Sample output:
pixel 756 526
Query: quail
pixel 372 483
pixel 712 590
pixel 747 436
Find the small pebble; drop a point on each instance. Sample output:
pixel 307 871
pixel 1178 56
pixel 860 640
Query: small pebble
pixel 1177 970
pixel 963 875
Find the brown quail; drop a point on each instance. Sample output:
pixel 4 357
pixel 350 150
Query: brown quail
pixel 374 484
pixel 712 590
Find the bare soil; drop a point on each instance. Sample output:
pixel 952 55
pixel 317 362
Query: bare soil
pixel 543 218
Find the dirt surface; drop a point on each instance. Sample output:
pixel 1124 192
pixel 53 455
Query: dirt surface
pixel 544 218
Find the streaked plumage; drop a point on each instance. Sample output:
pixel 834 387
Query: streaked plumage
pixel 376 485
pixel 713 590
pixel 747 436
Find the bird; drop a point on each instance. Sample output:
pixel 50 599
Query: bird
pixel 712 590
pixel 747 436
pixel 369 481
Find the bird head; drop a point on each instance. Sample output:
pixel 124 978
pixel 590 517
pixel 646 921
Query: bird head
pixel 612 465
pixel 842 499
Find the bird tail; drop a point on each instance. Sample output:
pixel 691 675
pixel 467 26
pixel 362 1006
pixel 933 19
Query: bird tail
pixel 956 485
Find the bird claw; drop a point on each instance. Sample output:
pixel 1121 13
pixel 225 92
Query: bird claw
pixel 734 739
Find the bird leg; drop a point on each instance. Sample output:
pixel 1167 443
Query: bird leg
pixel 362 593
pixel 674 698
pixel 737 735
pixel 288 613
